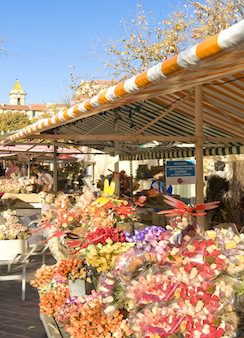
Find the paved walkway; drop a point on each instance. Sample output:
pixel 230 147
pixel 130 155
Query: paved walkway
pixel 17 318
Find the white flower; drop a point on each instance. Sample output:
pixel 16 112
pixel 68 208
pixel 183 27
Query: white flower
pixel 211 248
pixel 206 329
pixel 109 309
pixel 197 334
pixel 103 289
pixel 109 281
pixel 108 299
pixel 193 273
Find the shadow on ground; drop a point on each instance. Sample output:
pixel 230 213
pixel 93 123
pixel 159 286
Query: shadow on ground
pixel 17 318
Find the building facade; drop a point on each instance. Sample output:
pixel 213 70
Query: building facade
pixel 17 103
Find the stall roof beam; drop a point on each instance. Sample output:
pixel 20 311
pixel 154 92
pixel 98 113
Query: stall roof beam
pixel 49 152
pixel 163 114
pixel 114 137
pixel 136 138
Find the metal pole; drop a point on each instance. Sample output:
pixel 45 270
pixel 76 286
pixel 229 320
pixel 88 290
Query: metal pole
pixel 199 148
pixel 164 176
pixel 131 179
pixel 116 150
pixel 93 173
pixel 28 167
pixel 55 170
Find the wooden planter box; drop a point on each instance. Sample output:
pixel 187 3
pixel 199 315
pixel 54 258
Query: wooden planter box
pixel 9 249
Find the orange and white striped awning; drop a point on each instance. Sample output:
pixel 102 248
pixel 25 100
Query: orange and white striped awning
pixel 195 65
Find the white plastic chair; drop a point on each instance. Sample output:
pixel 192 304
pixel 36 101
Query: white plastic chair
pixel 20 261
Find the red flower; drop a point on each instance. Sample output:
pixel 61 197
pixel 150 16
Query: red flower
pixel 188 210
pixel 100 235
pixel 141 201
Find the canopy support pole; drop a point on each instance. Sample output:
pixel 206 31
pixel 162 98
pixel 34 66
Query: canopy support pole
pixel 28 167
pixel 93 173
pixel 55 170
pixel 199 149
pixel 116 151
pixel 131 180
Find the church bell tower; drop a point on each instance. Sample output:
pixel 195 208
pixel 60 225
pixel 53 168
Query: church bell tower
pixel 17 94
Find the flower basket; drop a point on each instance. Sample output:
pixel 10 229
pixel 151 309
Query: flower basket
pixel 77 288
pixel 9 249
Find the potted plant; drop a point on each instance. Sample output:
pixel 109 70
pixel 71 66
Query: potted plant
pixel 13 236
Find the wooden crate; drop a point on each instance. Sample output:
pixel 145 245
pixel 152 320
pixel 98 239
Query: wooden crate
pixel 51 327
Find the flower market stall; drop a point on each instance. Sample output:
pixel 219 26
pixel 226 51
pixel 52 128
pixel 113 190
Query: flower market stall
pixel 178 281
pixel 175 281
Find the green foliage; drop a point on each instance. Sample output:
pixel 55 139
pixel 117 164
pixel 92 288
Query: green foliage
pixel 11 121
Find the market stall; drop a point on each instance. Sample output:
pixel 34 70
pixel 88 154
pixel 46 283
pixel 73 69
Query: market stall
pixel 172 281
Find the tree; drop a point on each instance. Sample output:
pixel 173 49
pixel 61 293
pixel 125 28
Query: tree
pixel 146 42
pixel 86 89
pixel 11 121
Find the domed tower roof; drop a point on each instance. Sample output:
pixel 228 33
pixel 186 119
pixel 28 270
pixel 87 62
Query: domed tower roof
pixel 17 94
pixel 17 86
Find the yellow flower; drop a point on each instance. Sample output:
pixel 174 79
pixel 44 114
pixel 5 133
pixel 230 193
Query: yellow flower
pixel 103 257
pixel 177 293
pixel 211 234
pixel 230 245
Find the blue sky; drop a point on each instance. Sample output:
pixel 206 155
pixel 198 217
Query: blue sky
pixel 44 37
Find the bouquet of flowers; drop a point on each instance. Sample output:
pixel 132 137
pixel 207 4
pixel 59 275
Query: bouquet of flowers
pixel 52 297
pixel 100 235
pixel 176 319
pixel 68 219
pixel 103 257
pixel 43 276
pixel 11 228
pixel 72 269
pixel 132 263
pixel 15 185
pixel 111 293
pixel 231 245
pixel 95 216
pixel 84 318
pixel 148 237
pixel 46 198
pixel 67 310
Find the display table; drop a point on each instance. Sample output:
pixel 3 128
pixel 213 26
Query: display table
pixel 23 201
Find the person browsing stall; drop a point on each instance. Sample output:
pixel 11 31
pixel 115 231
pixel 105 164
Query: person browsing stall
pixel 45 179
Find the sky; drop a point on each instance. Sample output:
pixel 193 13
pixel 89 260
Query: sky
pixel 44 38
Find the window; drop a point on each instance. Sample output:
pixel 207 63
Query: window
pixel 18 100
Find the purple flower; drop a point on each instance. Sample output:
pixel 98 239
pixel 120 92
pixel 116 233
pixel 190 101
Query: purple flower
pixel 146 235
pixel 147 238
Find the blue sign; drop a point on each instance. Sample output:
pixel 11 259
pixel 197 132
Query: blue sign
pixel 180 172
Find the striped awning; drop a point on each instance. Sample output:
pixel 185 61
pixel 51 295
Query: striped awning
pixel 163 95
pixel 156 155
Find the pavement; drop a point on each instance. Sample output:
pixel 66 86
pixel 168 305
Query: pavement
pixel 21 318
